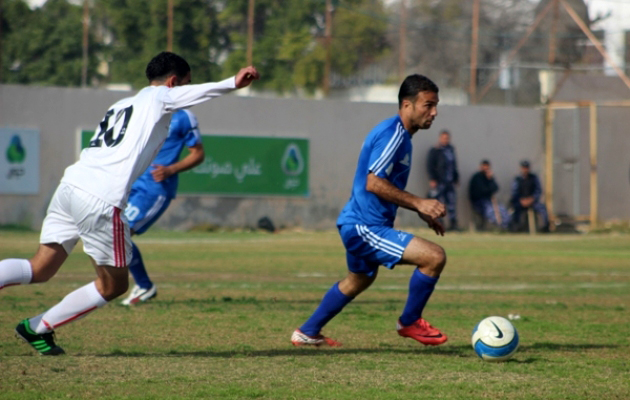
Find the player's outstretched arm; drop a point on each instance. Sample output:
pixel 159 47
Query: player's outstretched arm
pixel 189 95
pixel 428 209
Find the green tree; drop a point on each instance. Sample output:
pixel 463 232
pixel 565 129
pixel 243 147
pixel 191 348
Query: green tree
pixel 138 30
pixel 289 46
pixel 44 46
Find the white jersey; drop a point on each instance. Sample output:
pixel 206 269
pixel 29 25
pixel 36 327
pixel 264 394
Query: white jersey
pixel 130 136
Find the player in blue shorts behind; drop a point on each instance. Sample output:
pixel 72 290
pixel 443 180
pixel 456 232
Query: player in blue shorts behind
pixel 153 191
pixel 366 222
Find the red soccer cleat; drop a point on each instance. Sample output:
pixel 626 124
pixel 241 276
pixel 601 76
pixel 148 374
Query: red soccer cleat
pixel 301 339
pixel 423 332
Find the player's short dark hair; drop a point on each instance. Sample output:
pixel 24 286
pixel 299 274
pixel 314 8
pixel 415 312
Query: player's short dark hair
pixel 414 84
pixel 165 64
pixel 485 162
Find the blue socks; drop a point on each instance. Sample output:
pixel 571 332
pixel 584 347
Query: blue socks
pixel 333 302
pixel 420 288
pixel 136 267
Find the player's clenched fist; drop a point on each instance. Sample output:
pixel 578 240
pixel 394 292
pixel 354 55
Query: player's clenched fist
pixel 246 76
pixel 432 208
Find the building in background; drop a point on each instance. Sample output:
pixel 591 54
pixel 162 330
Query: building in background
pixel 614 21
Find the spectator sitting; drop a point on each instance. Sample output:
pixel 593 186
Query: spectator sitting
pixel 526 191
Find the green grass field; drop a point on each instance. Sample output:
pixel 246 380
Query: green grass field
pixel 228 302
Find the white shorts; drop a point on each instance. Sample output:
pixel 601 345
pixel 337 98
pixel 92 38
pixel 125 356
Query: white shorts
pixel 103 228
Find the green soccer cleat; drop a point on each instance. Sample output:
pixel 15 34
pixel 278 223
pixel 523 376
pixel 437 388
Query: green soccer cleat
pixel 44 344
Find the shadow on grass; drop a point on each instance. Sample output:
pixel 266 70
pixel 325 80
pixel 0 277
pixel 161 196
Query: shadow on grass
pixel 463 351
pixel 254 300
pixel 293 352
pixel 565 346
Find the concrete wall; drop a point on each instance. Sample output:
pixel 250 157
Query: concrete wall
pixel 335 128
pixel 572 148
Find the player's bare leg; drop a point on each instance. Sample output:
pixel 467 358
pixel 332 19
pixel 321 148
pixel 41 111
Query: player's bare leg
pixel 40 268
pixel 111 282
pixel 430 259
pixel 428 256
pixel 47 261
pixel 354 284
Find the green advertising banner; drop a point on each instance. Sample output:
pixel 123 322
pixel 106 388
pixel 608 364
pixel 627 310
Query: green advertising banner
pixel 246 166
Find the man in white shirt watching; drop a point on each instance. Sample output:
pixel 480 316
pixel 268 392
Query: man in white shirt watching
pixel 89 202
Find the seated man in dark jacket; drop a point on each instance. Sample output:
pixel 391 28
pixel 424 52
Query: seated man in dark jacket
pixel 526 191
pixel 481 190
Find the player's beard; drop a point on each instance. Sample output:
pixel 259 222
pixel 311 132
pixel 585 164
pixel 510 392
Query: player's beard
pixel 421 122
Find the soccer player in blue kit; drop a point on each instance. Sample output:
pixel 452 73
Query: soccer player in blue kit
pixel 366 222
pixel 152 193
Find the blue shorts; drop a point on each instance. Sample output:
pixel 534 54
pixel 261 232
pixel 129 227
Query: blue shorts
pixel 144 208
pixel 367 247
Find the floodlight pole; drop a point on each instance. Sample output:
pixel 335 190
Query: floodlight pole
pixel 328 34
pixel 86 30
pixel 402 56
pixel 169 26
pixel 552 33
pixel 474 48
pixel 250 32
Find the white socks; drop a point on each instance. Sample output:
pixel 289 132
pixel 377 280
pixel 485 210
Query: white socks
pixel 74 306
pixel 15 271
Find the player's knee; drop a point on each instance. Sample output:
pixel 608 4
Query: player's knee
pixel 120 287
pixel 437 259
pixel 354 284
pixel 111 287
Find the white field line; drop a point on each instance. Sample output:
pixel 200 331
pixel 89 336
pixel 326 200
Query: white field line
pixel 309 238
pixel 397 275
pixel 405 288
pixel 529 238
pixel 401 288
pixel 184 241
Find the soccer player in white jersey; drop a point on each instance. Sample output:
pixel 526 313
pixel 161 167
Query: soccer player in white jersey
pixel 88 202
pixel 366 222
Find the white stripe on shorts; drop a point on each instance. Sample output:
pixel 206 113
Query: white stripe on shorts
pixel 378 242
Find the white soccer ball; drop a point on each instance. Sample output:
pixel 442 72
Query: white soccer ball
pixel 495 339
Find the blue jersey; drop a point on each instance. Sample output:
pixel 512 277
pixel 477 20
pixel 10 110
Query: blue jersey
pixel 386 153
pixel 183 131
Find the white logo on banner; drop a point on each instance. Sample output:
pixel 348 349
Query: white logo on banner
pixel 19 161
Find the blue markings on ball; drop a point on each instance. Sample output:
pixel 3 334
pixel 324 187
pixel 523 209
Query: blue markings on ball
pixel 486 351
